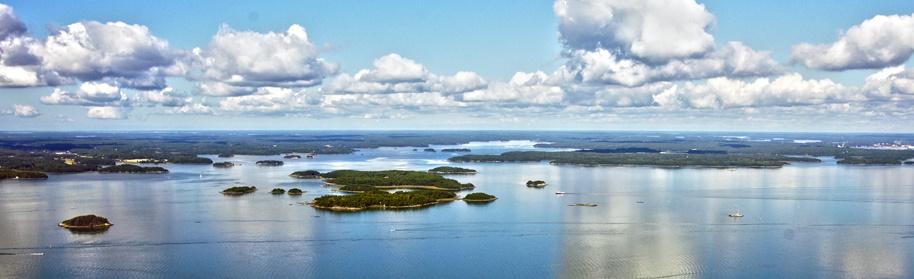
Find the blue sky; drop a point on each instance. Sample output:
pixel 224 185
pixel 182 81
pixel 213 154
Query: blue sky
pixel 493 39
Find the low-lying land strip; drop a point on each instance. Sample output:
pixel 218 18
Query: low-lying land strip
pixel 638 159
pixel 364 181
pixel 127 168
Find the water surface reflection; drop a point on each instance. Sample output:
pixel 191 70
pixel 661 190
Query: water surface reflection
pixel 804 220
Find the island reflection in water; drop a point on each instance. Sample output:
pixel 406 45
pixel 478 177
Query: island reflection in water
pixel 804 220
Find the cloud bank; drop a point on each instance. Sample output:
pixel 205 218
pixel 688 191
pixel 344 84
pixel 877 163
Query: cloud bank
pixel 621 59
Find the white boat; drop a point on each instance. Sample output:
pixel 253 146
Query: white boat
pixel 736 214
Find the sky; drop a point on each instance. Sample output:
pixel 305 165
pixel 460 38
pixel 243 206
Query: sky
pixel 683 65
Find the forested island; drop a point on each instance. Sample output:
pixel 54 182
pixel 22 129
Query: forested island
pixel 456 150
pixel 295 192
pixel 639 159
pixel 239 190
pixel 128 168
pixel 278 191
pixel 270 163
pixel 86 223
pixel 292 156
pixel 382 200
pixel 536 183
pixel 479 197
pixel 366 181
pixel 308 174
pixel 875 157
pixel 224 165
pixel 452 170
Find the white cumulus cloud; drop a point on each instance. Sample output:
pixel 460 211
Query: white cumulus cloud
pixel 25 111
pixel 785 90
pixel 635 42
pixel 166 97
pixel 875 43
pixel 249 59
pixel 733 60
pixel 891 83
pixel 108 113
pixel 127 54
pixel 9 24
pixel 191 108
pixel 653 30
pixel 523 88
pixel 89 94
pixel 393 73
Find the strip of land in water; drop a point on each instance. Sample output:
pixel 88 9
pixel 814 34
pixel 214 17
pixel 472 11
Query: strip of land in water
pixel 640 159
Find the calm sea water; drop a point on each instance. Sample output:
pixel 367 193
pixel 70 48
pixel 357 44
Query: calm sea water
pixel 801 221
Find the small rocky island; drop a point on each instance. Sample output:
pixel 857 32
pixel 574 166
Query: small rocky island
pixel 456 150
pixel 128 168
pixel 224 165
pixel 365 181
pixel 239 190
pixel 226 155
pixel 292 156
pixel 295 192
pixel 87 223
pixel 278 191
pixel 429 150
pixel 308 174
pixel 452 170
pixel 269 163
pixel 382 200
pixel 479 197
pixel 536 183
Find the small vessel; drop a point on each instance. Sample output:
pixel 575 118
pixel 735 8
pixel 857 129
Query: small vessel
pixel 735 214
pixel 559 193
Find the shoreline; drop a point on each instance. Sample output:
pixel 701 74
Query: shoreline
pixel 635 165
pixel 378 207
pixel 101 227
pixel 482 200
pixel 453 172
pixel 393 187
